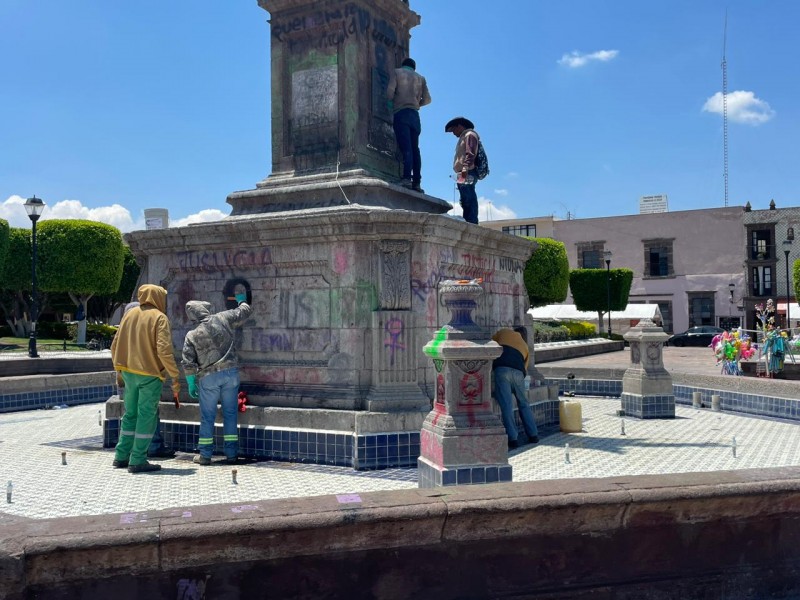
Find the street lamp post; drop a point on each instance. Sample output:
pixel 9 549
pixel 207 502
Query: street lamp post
pixel 731 288
pixel 787 248
pixel 607 257
pixel 34 207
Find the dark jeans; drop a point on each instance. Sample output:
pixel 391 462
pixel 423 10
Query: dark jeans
pixel 407 129
pixel 469 198
pixel 509 384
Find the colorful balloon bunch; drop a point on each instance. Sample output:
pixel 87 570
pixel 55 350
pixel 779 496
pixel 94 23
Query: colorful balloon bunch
pixel 730 347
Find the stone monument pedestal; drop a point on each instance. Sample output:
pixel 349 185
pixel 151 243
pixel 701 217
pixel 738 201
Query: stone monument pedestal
pixel 647 385
pixel 462 441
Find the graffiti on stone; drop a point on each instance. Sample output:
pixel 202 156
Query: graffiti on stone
pixel 223 260
pixel 394 331
pixel 315 97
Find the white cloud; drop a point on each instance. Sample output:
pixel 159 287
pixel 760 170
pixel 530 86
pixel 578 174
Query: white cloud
pixel 743 107
pixel 576 59
pixel 116 215
pixel 487 211
pixel 502 192
pixel 204 216
pixel 13 211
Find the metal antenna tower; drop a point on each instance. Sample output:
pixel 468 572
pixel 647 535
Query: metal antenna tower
pixel 725 107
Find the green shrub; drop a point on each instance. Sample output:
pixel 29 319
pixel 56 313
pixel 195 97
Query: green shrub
pixel 551 331
pixel 94 331
pixel 100 331
pixel 579 330
pixel 546 274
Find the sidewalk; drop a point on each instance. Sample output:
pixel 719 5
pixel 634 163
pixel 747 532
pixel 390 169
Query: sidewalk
pixel 31 444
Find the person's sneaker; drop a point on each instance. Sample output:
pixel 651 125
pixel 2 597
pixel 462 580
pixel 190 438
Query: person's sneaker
pixel 534 439
pixel 120 464
pixel 162 452
pixel 201 460
pixel 145 467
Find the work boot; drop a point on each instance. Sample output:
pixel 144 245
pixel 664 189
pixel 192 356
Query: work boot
pixel 145 467
pixel 406 183
pixel 201 460
pixel 416 188
pixel 120 464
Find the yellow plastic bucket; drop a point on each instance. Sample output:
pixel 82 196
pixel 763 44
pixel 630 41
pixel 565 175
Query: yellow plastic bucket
pixel 570 416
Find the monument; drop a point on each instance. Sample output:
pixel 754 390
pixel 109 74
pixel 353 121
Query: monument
pixel 340 264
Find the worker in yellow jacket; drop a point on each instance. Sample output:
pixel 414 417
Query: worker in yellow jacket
pixel 509 371
pixel 141 353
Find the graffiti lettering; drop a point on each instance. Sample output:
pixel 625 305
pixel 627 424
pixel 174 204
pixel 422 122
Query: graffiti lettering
pixel 272 342
pixel 214 262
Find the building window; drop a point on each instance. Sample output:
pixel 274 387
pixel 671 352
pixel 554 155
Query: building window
pixel 701 309
pixel 521 230
pixel 761 244
pixel 590 255
pixel 665 308
pixel 591 259
pixel 658 258
pixel 762 281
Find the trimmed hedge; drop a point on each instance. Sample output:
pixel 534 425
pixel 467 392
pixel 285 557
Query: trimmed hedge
pixel 580 329
pixel 546 273
pixel 551 331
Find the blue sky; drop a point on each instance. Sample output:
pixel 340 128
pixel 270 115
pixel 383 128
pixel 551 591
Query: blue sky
pixel 109 108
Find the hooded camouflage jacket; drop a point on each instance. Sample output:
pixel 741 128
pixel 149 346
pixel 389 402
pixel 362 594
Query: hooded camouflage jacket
pixel 210 346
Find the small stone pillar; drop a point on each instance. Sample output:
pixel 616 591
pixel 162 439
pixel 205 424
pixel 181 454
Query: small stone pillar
pixel 462 440
pixel 647 385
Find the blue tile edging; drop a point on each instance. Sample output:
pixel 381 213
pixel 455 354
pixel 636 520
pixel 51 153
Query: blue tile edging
pixel 55 397
pixel 431 476
pixel 753 404
pixel 363 452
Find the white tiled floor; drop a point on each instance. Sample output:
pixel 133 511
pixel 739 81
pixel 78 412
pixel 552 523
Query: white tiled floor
pixel 31 444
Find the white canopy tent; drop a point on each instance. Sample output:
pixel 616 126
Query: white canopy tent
pixel 621 320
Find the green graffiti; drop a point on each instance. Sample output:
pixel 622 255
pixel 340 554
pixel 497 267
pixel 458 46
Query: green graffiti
pixel 432 348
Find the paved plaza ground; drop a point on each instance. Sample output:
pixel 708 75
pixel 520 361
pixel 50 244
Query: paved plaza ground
pixel 32 442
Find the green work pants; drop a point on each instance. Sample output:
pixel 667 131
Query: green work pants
pixel 142 393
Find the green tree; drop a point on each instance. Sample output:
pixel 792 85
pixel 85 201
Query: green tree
pixel 81 258
pixel 796 282
pixel 15 282
pixel 590 290
pixel 102 307
pixel 547 273
pixel 5 231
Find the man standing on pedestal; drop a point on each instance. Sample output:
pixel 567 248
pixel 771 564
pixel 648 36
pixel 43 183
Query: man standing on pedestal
pixel 407 91
pixel 465 166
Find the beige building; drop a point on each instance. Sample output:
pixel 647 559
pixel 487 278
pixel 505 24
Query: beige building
pixel 690 262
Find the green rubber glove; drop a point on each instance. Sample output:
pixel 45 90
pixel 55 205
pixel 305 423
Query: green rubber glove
pixel 191 381
pixel 241 298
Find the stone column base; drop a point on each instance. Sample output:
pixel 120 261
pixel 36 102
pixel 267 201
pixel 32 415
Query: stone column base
pixel 648 407
pixel 431 475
